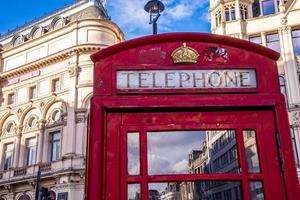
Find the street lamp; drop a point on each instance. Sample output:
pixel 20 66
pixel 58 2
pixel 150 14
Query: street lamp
pixel 154 8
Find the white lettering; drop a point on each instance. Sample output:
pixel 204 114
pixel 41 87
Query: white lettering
pixel 186 79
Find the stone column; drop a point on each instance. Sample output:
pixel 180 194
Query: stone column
pixel 237 10
pixel 17 147
pixel 263 39
pixel 40 141
pixel 290 65
pixel 69 136
pixel 80 127
pixel 281 6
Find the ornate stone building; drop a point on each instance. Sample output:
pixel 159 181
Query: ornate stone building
pixel 274 24
pixel 46 85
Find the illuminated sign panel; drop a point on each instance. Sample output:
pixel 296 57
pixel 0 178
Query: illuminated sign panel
pixel 186 79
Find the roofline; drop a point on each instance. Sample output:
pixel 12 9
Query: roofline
pixel 46 17
pixel 186 37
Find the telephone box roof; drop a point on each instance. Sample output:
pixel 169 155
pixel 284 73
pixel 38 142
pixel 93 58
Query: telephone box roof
pixel 186 37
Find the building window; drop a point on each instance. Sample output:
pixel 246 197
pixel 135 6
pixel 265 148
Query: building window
pixel 58 23
pixel 273 42
pixel 296 41
pixel 8 156
pixel 37 32
pixel 30 151
pixel 32 122
pixel 283 87
pixel 55 85
pixel 256 8
pixel 11 99
pixel 218 18
pixel 232 13
pixel 294 143
pixel 10 127
pixel 55 116
pixel 19 40
pixel 54 146
pixel 24 197
pixel 32 92
pixel 244 11
pixel 256 39
pixel 268 7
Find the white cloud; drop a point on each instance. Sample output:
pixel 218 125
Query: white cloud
pixel 132 18
pixel 181 167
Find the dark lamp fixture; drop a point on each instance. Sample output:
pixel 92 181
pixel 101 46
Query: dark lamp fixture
pixel 154 8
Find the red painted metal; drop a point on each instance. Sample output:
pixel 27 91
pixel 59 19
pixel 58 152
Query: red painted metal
pixel 114 112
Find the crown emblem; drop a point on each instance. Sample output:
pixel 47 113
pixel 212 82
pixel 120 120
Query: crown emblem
pixel 185 54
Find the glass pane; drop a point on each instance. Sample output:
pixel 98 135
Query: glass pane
pixel 192 152
pixel 133 153
pixel 134 192
pixel 296 41
pixel 210 190
pixel 268 7
pixel 256 189
pixel 256 40
pixel 251 151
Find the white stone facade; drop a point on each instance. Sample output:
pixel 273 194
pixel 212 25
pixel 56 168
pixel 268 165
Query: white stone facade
pixel 46 85
pixel 271 23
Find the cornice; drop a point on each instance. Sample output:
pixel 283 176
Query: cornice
pixel 63 55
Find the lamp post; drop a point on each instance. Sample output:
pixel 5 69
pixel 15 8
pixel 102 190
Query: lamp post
pixel 154 8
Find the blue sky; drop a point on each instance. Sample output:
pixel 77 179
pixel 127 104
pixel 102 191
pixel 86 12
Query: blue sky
pixel 179 15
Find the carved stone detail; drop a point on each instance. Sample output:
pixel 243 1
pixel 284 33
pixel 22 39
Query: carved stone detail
pixel 285 29
pixel 296 117
pixel 74 71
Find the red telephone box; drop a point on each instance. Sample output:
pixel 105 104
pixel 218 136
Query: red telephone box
pixel 189 116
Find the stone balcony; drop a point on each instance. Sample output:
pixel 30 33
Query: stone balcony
pixel 47 169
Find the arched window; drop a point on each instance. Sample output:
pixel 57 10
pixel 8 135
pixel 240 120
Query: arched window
pixel 58 23
pixel 19 40
pixel 55 115
pixel 52 195
pixel 244 11
pixel 24 197
pixel 218 18
pixel 232 13
pixel 37 32
pixel 10 127
pixel 32 122
pixel 227 15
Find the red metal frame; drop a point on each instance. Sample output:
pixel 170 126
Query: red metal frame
pixel 264 139
pixel 109 107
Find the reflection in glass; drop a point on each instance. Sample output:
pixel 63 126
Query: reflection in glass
pixel 256 189
pixel 133 153
pixel 251 151
pixel 212 190
pixel 134 192
pixel 192 152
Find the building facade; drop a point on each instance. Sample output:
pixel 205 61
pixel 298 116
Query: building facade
pixel 46 86
pixel 274 24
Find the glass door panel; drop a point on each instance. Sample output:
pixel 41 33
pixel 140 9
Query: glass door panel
pixel 197 161
pixel 192 152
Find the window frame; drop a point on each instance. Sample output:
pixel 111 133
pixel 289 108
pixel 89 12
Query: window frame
pixel 11 98
pixel 27 147
pixel 50 143
pixel 30 92
pixel 4 155
pixel 271 41
pixel 263 11
pixel 293 41
pixel 53 84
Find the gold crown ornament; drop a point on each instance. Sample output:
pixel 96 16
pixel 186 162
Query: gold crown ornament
pixel 185 55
